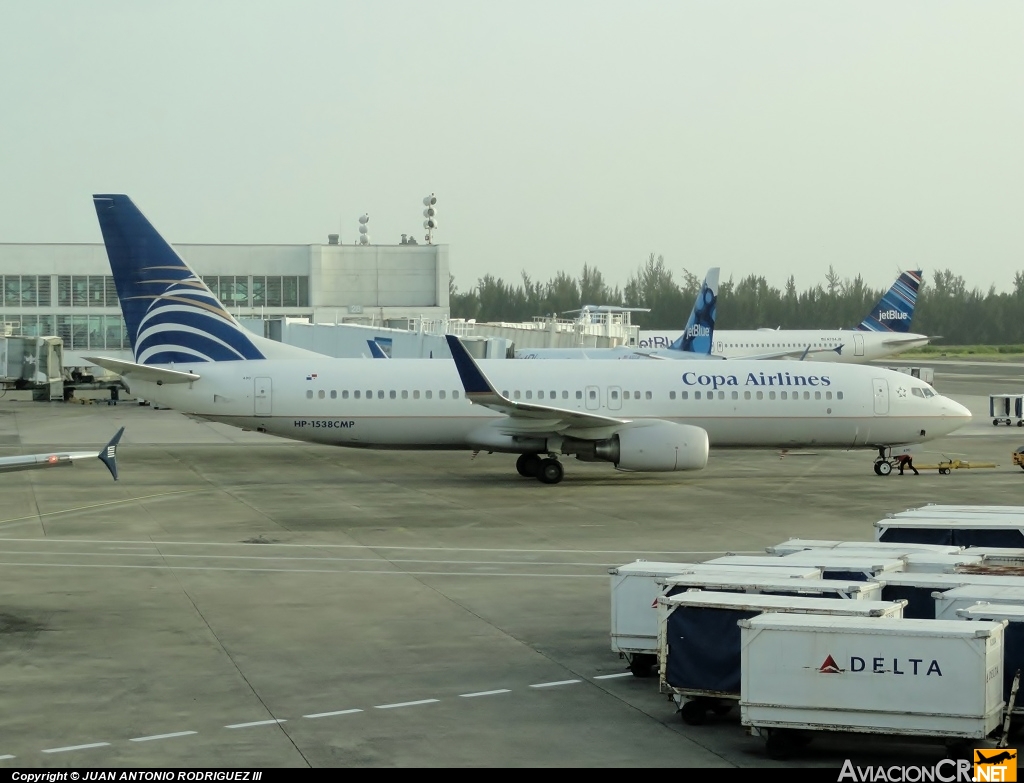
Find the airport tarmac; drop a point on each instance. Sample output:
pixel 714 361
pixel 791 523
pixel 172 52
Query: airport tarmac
pixel 236 600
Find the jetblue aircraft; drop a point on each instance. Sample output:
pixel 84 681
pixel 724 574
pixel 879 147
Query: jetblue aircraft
pixel 64 459
pixel 191 355
pixel 885 331
pixel 694 342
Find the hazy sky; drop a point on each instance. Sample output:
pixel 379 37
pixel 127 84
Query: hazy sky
pixel 770 137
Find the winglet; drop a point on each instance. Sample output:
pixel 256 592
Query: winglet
pixel 376 352
pixel 473 379
pixel 108 454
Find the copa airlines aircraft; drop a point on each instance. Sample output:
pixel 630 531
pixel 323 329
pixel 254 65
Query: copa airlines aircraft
pixel 64 459
pixel 191 355
pixel 885 331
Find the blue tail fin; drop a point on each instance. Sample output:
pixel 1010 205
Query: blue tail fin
pixel 895 310
pixel 170 313
pixel 700 328
pixel 376 352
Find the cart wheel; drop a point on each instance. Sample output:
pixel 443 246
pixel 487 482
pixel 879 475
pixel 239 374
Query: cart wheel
pixel 1020 422
pixel 884 468
pixel 694 712
pixel 995 422
pixel 779 745
pixel 722 708
pixel 640 665
pixel 944 471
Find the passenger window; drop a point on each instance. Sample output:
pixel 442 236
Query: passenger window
pixel 393 394
pixel 441 394
pixel 428 394
pixel 771 395
pixel 380 394
pixel 671 395
pixel 721 395
pixel 636 395
pixel 613 394
pixel 839 395
pixel 684 395
pixel 334 394
pixel 579 395
pixel 369 394
pixel 455 394
pixel 760 395
pixel 320 394
pixel 309 394
pixel 735 395
pixel 746 395
pixel 647 395
pixel 405 394
pixel 540 395
pixel 828 395
pixel 565 395
pixel 415 394
pixel 344 394
pixel 696 395
pixel 356 393
pixel 817 395
pixel 552 395
pixel 807 395
pixel 783 396
pixel 516 395
pixel 529 394
pixel 593 394
pixel 505 393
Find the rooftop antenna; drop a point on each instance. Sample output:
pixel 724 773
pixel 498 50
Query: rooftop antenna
pixel 364 238
pixel 430 213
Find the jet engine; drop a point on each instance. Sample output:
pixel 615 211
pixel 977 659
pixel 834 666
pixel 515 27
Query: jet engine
pixel 664 446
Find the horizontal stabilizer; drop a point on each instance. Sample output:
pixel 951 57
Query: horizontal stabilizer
pixel 142 372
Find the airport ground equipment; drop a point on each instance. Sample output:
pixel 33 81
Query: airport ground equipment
pixel 936 510
pixel 947 603
pixel 832 564
pixel 896 549
pixel 1004 408
pixel 634 591
pixel 994 530
pixel 944 466
pixel 920 590
pixel 1018 456
pixel 699 641
pixel 807 674
pixel 929 563
pixel 926 374
pixel 1013 643
pixel 765 584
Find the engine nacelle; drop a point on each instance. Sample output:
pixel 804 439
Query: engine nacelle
pixel 665 446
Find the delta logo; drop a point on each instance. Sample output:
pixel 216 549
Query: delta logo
pixel 880 665
pixel 993 764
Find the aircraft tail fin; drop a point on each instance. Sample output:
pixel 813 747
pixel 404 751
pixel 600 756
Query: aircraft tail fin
pixel 376 352
pixel 895 310
pixel 170 313
pixel 700 328
pixel 108 454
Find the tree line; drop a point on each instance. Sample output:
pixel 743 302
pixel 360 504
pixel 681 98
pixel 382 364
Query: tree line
pixel 946 308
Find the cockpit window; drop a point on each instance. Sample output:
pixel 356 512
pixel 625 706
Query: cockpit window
pixel 929 392
pixel 917 392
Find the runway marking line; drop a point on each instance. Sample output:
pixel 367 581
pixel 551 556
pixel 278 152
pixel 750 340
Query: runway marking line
pixel 613 676
pixel 404 704
pixel 553 684
pixel 330 714
pixel 162 736
pixel 483 693
pixel 76 747
pixel 256 723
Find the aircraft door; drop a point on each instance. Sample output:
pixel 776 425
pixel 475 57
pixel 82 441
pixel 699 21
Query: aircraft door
pixel 262 396
pixel 881 387
pixel 614 398
pixel 858 345
pixel 593 395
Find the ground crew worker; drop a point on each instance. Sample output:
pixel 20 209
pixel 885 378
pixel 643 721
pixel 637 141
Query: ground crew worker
pixel 907 461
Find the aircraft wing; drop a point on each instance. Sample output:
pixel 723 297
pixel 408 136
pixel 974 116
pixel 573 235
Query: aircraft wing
pixel 528 416
pixel 906 340
pixel 795 353
pixel 143 372
pixel 57 459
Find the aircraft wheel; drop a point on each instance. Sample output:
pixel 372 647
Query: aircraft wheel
pixel 878 472
pixel 528 465
pixel 551 471
pixel 883 468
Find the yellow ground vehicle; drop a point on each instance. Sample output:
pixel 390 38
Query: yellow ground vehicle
pixel 1018 457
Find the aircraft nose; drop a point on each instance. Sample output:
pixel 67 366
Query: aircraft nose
pixel 955 410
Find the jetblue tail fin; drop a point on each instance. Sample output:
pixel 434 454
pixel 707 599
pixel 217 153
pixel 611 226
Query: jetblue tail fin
pixel 895 310
pixel 700 328
pixel 170 314
pixel 376 352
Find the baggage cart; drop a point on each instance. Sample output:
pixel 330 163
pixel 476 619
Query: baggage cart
pixel 767 585
pixel 997 530
pixel 833 564
pixel 947 603
pixel 806 674
pixel 919 590
pixel 929 563
pixel 894 549
pixel 1013 640
pixel 1004 408
pixel 699 641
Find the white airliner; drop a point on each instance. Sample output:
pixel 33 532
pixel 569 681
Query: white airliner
pixel 191 355
pixel 63 459
pixel 884 332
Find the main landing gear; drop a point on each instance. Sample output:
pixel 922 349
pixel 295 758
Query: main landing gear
pixel 547 469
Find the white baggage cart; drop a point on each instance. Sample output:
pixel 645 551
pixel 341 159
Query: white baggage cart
pixel 699 641
pixel 634 591
pixel 1013 640
pixel 947 603
pixel 919 590
pixel 930 563
pixel 878 547
pixel 833 565
pixel 918 678
pixel 766 584
pixel 1004 408
pixel 998 530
